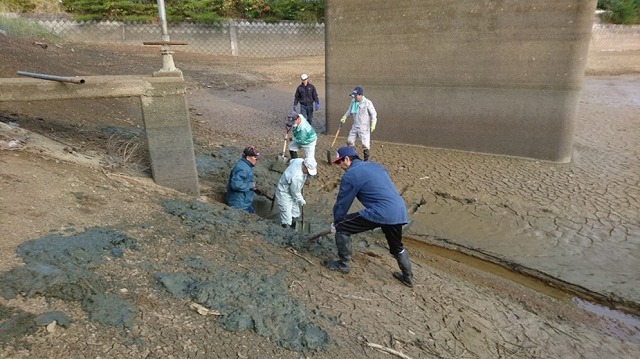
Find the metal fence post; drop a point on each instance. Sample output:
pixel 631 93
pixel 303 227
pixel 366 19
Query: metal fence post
pixel 233 37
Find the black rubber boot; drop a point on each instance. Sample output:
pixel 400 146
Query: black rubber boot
pixel 343 242
pixel 293 154
pixel 406 277
pixel 365 154
pixel 293 222
pixel 284 225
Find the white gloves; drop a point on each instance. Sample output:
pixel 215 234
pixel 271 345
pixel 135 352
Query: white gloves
pixel 343 119
pixel 301 202
pixel 333 228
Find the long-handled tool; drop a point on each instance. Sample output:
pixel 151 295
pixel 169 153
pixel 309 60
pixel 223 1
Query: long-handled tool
pixel 318 235
pixel 330 150
pixel 264 194
pixel 281 162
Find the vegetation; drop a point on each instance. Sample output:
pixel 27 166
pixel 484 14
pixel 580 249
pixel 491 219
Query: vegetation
pixel 206 11
pixel 17 27
pixel 620 11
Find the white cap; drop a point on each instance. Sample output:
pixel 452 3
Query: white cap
pixel 304 77
pixel 311 166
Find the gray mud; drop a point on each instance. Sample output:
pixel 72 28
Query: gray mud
pixel 249 301
pixel 62 267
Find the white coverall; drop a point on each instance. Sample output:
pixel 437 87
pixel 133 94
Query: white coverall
pixel 289 191
pixel 364 117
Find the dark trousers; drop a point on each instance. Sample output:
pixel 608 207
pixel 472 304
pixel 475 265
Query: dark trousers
pixel 354 223
pixel 307 112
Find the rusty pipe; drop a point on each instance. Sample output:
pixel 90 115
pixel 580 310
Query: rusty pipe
pixel 74 80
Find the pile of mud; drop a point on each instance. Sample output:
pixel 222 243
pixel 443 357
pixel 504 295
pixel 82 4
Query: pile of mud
pixel 68 267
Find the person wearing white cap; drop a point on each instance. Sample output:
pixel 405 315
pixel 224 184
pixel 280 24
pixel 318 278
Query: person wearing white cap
pixel 307 96
pixel 289 190
pixel 365 119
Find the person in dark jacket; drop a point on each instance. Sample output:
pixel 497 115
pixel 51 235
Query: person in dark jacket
pixel 307 96
pixel 241 185
pixel 370 183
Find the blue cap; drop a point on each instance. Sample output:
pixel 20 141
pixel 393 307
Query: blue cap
pixel 356 91
pixel 346 151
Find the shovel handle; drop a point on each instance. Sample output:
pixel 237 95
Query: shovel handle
pixel 318 235
pixel 284 146
pixel 336 136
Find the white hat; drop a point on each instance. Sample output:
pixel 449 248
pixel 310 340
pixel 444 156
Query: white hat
pixel 311 166
pixel 304 77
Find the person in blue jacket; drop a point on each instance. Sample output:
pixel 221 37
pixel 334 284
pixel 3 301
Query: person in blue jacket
pixel 241 185
pixel 370 183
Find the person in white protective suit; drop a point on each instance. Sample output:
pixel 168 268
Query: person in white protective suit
pixel 365 119
pixel 289 191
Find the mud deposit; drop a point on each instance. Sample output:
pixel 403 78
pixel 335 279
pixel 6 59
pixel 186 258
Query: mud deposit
pixel 63 267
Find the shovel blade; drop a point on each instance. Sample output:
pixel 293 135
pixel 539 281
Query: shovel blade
pixel 279 165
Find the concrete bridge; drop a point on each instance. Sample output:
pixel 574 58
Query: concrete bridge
pixel 164 111
pixel 492 76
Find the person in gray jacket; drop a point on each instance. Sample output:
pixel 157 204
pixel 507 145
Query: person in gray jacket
pixel 370 183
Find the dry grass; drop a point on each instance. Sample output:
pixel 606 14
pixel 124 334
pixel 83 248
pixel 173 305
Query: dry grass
pixel 126 153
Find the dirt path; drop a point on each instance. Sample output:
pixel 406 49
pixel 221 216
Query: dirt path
pixel 166 254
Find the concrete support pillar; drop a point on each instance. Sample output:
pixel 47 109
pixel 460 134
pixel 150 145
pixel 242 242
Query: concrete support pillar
pixel 166 122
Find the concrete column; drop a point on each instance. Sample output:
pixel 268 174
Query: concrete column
pixel 166 122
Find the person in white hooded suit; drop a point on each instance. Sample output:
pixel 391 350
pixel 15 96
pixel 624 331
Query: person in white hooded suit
pixel 289 190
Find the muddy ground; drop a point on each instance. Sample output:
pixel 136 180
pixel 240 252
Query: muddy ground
pixel 126 268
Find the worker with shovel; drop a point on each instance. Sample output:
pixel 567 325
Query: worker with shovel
pixel 289 190
pixel 303 137
pixel 370 183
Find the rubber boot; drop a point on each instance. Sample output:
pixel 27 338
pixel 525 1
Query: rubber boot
pixel 293 222
pixel 406 277
pixel 343 242
pixel 284 225
pixel 293 154
pixel 365 154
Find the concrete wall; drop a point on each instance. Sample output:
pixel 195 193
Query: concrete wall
pixel 498 76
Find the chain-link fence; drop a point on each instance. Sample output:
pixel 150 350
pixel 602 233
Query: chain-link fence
pixel 234 37
pixel 611 37
pixel 260 39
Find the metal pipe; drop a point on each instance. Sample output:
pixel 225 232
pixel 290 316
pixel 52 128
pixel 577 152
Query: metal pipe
pixel 75 80
pixel 165 43
pixel 163 20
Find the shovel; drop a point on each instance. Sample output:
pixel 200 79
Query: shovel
pixel 264 194
pixel 318 235
pixel 303 227
pixel 281 162
pixel 330 150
